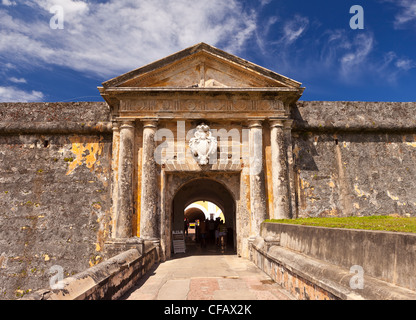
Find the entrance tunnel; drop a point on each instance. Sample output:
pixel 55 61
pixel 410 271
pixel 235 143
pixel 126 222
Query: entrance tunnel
pixel 210 191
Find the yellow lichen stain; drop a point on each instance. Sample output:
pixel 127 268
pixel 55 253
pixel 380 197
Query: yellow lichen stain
pixel 333 212
pixel 269 179
pixel 359 192
pixel 95 260
pixel 412 144
pixel 96 205
pixel 85 152
pixel 304 184
pixel 392 197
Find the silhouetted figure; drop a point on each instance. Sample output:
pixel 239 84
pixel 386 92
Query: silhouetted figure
pixel 211 228
pixel 186 225
pixel 222 234
pixel 203 233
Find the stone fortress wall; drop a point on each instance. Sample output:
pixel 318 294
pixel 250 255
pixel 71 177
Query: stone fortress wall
pixel 354 158
pixel 350 158
pixel 55 161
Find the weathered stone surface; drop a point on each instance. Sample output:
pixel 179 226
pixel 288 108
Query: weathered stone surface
pixel 389 256
pixel 355 174
pixel 107 281
pixel 82 112
pixel 354 115
pixel 307 258
pixel 54 201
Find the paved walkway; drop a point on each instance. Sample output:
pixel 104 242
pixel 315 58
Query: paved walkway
pixel 207 274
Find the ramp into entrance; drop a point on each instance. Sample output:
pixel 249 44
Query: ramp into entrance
pixel 206 274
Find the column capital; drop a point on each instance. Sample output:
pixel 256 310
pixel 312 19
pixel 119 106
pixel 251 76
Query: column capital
pixel 125 123
pixel 149 123
pixel 255 123
pixel 281 123
pixel 276 123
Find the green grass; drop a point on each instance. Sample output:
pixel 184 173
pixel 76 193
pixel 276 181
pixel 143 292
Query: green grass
pixel 384 223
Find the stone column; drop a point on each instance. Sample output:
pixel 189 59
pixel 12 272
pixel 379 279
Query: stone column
pixel 114 164
pixel 149 215
pixel 123 223
pixel 281 199
pixel 287 128
pixel 257 180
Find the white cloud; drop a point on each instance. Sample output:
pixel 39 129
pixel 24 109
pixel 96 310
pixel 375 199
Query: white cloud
pixel 13 94
pixel 17 80
pixel 408 13
pixel 116 36
pixel 294 28
pixel 405 64
pixel 361 47
pixel 69 6
pixel 8 3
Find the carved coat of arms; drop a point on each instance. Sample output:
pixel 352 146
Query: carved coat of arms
pixel 203 144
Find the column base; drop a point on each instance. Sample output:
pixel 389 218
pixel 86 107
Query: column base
pixel 113 247
pixel 152 242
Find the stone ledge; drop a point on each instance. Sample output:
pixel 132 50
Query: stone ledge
pixel 328 277
pixel 66 127
pixel 354 116
pixel 108 280
pixel 388 256
pixel 334 128
pixel 114 247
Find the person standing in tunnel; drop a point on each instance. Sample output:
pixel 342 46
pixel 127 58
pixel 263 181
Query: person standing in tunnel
pixel 211 228
pixel 203 233
pixel 186 226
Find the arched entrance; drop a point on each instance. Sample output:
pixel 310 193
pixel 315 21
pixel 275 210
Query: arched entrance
pixel 204 189
pixel 193 213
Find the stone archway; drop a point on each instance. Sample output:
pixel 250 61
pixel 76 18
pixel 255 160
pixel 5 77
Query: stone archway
pixel 220 189
pixel 193 214
pixel 203 189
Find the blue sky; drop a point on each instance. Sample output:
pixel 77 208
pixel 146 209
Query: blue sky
pixel 307 40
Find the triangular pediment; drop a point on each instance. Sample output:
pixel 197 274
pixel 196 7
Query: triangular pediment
pixel 201 66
